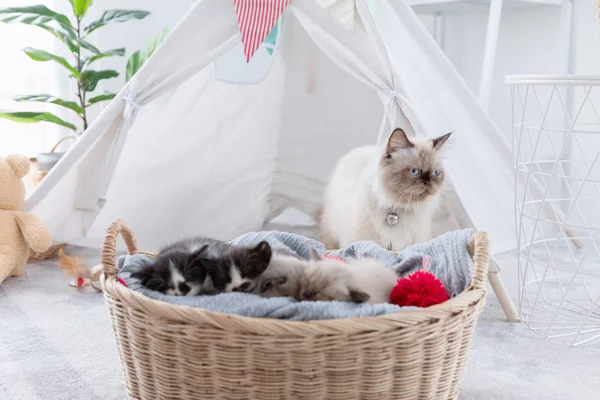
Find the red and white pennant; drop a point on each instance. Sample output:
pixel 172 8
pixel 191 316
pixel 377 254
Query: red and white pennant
pixel 256 18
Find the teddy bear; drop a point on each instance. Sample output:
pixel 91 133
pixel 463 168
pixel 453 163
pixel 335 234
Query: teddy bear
pixel 20 232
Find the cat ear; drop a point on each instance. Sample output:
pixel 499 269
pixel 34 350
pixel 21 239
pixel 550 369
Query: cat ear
pixel 438 142
pixel 314 256
pixel 359 297
pixel 149 280
pixel 259 257
pixel 398 140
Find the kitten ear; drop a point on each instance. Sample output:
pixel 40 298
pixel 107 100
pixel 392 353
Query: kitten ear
pixel 149 280
pixel 438 142
pixel 398 140
pixel 359 297
pixel 314 256
pixel 259 257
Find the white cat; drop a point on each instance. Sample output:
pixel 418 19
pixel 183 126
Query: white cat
pixel 362 280
pixel 386 196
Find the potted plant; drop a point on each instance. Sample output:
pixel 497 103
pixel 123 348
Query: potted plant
pixel 74 34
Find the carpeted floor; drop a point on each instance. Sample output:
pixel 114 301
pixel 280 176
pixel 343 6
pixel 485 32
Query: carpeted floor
pixel 56 344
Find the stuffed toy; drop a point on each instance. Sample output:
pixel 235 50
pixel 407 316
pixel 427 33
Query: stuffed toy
pixel 20 232
pixel 420 289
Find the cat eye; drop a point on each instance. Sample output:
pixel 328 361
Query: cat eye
pixel 415 171
pixel 435 172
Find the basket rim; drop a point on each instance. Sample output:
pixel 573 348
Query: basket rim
pixel 480 253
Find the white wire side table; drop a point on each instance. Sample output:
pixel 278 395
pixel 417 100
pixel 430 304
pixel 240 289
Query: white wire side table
pixel 556 147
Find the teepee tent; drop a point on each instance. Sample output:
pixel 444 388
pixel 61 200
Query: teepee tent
pixel 188 148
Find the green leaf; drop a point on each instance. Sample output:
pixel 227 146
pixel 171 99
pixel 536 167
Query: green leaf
pixel 43 56
pixel 42 17
pixel 33 117
pixel 134 63
pixel 88 46
pixel 114 52
pixel 138 58
pixel 111 16
pixel 34 15
pixel 46 98
pixel 91 78
pixel 80 7
pixel 103 97
pixel 156 41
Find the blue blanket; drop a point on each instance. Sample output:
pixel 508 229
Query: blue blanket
pixel 450 262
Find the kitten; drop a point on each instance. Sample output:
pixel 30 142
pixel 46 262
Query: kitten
pixel 361 280
pixel 367 185
pixel 202 265
pixel 179 271
pixel 243 266
pixel 282 277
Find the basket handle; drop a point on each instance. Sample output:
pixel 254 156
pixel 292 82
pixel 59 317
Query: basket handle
pixel 60 141
pixel 118 227
pixel 479 249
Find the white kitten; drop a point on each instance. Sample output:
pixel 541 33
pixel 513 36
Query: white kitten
pixel 370 187
pixel 282 277
pixel 362 280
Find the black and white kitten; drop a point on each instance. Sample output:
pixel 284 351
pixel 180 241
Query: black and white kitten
pixel 202 266
pixel 179 270
pixel 244 265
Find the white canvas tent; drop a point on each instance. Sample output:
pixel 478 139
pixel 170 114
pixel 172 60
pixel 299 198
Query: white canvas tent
pixel 181 152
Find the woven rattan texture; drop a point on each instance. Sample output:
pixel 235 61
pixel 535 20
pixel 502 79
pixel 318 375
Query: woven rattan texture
pixel 179 353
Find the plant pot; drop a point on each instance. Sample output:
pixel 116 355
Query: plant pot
pixel 45 161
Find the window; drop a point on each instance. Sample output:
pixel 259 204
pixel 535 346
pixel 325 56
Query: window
pixel 232 66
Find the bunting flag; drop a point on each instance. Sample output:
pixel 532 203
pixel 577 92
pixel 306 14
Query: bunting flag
pixel 256 18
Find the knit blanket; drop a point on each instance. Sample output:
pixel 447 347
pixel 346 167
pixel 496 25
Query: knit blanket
pixel 449 261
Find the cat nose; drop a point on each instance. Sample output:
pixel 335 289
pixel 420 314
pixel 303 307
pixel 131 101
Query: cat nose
pixel 425 177
pixel 307 294
pixel 183 288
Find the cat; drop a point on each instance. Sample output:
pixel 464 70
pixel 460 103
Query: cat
pixel 244 265
pixel 179 270
pixel 362 280
pixel 282 277
pixel 204 266
pixel 388 197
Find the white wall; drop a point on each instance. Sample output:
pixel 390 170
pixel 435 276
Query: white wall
pixel 529 43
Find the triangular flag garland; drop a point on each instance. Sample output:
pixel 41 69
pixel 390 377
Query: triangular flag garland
pixel 256 18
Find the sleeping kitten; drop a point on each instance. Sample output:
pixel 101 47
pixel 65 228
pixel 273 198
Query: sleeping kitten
pixel 368 185
pixel 361 280
pixel 282 277
pixel 243 266
pixel 202 265
pixel 179 271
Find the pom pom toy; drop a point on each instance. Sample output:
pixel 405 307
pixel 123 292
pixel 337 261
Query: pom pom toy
pixel 421 289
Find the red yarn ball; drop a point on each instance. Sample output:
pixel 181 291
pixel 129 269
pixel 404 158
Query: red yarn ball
pixel 421 289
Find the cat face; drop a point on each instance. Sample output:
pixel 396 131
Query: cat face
pixel 282 277
pixel 411 169
pixel 325 280
pixel 177 272
pixel 240 268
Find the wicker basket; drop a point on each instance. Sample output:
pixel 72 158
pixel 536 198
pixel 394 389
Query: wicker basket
pixel 174 352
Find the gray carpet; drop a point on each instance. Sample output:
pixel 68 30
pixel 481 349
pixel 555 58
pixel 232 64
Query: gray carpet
pixel 56 344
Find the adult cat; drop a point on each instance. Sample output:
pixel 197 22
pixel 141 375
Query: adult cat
pixel 388 197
